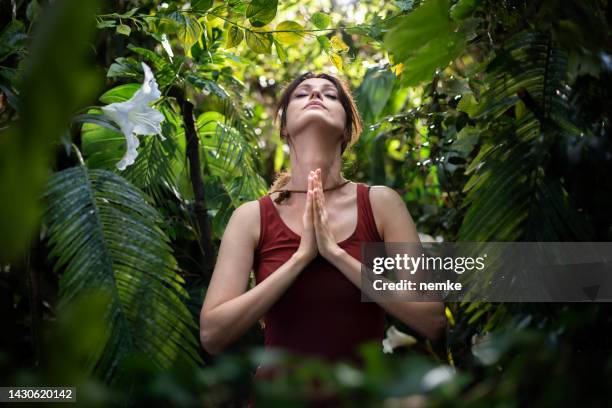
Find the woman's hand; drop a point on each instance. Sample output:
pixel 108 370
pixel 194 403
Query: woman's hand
pixel 326 243
pixel 308 244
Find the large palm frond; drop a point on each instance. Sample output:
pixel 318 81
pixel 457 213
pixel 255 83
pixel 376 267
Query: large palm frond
pixel 106 237
pixel 511 195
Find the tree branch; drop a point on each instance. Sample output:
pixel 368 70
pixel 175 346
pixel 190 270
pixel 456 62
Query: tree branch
pixel 197 183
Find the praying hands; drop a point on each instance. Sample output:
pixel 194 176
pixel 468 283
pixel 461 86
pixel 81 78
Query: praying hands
pixel 317 237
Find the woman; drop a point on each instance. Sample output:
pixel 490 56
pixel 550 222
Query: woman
pixel 304 243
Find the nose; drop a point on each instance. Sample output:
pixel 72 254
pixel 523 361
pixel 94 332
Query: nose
pixel 315 92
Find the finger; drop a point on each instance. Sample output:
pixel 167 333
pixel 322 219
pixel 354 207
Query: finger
pixel 309 203
pixel 323 208
pixel 309 209
pixel 316 209
pixel 310 183
pixel 322 198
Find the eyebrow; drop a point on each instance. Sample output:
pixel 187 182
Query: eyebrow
pixel 310 86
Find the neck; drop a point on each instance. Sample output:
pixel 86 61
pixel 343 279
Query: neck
pixel 315 151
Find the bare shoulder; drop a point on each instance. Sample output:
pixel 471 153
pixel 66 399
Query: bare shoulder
pixel 383 198
pixel 381 195
pixel 385 202
pixel 248 208
pixel 246 218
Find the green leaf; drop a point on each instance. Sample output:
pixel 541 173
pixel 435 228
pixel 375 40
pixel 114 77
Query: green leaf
pixel 55 81
pixel 189 32
pixel 12 39
pixel 468 104
pixel 201 5
pixel 189 29
pixel 123 29
pixel 209 86
pixel 282 53
pixel 511 193
pixel 105 236
pixel 106 24
pixel 336 60
pixel 124 67
pixel 324 43
pixel 120 93
pixel 101 146
pixel 437 53
pixel 127 14
pixel 427 23
pixel 234 37
pixel 260 43
pixel 165 72
pixel 338 45
pixel 375 91
pixel 96 118
pixel 466 140
pixel 363 30
pixel 229 154
pixel 33 10
pixel 463 9
pixel 261 12
pixel 289 38
pixel 320 20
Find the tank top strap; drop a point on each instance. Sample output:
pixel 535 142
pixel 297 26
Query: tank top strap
pixel 264 219
pixel 365 210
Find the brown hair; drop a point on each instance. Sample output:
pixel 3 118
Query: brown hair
pixel 353 127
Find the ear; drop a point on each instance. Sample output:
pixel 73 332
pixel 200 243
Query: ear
pixel 284 133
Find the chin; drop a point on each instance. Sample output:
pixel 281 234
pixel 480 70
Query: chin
pixel 321 124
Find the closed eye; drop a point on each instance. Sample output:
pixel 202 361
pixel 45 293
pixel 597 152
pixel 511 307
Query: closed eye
pixel 328 95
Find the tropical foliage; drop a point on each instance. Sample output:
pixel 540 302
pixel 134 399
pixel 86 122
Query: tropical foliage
pixel 491 119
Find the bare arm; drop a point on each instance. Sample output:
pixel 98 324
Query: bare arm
pixel 428 318
pixel 229 310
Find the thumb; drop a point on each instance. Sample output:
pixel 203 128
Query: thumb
pixel 308 208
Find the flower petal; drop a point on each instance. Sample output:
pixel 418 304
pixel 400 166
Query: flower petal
pixel 396 338
pixel 149 91
pixel 387 348
pixel 437 376
pixel 136 117
pixel 166 45
pixel 118 112
pixel 130 155
pixel 147 121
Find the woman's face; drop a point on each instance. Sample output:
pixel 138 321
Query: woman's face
pixel 329 117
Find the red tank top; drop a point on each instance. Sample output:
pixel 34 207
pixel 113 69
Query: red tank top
pixel 321 313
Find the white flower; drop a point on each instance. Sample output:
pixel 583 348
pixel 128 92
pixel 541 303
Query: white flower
pixel 428 238
pixel 396 338
pixel 136 117
pixel 437 376
pixel 166 45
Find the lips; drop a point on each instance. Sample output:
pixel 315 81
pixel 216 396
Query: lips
pixel 314 103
